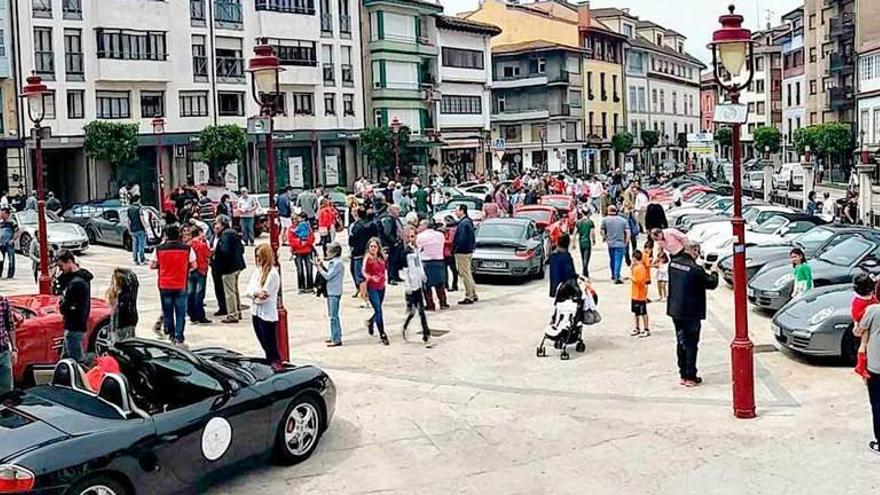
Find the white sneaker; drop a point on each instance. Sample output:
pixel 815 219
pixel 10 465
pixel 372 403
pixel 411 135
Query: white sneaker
pixel 429 343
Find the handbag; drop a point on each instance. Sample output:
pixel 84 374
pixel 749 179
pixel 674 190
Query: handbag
pixel 338 225
pixel 591 310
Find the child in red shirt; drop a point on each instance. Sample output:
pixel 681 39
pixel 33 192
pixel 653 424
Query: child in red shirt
pixel 866 295
pixel 198 278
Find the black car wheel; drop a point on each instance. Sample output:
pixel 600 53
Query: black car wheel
pixel 98 485
pixel 126 241
pixel 24 243
pixel 540 275
pixel 849 346
pixel 101 341
pixel 299 431
pixel 92 234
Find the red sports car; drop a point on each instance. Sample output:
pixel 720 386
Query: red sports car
pixel 565 205
pixel 39 333
pixel 543 215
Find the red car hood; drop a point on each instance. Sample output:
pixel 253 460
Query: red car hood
pixel 48 304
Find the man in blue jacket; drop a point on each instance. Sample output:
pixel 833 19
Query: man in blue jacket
pixel 463 248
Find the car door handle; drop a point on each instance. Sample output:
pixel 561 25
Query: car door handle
pixel 169 438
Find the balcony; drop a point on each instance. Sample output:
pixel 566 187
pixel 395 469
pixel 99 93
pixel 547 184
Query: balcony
pixel 842 26
pixel 840 97
pixel 562 110
pixel 197 12
pixel 347 75
pixel 515 115
pixel 839 62
pixel 200 68
pixel 306 7
pixel 71 9
pixel 560 78
pixel 520 81
pixel 42 8
pixel 230 69
pixel 227 14
pixel 327 24
pixel 345 25
pixel 329 75
pixel 123 70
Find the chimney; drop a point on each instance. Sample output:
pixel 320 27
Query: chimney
pixel 583 14
pixel 625 10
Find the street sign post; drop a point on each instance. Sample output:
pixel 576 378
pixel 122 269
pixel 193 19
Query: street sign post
pixel 259 125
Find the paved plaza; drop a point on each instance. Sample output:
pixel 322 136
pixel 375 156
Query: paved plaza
pixel 479 413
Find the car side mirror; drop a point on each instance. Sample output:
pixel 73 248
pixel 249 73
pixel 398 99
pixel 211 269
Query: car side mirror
pixel 870 263
pixel 784 230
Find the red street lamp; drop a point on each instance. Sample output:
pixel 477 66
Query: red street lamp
pixel 732 44
pixel 159 129
pixel 265 69
pixel 34 92
pixel 395 133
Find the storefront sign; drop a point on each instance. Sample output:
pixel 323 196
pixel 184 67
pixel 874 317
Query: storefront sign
pixel 295 171
pixel 230 178
pixel 730 113
pixel 201 173
pixel 331 170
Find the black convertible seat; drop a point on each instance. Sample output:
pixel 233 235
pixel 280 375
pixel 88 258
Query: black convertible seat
pixel 114 389
pixel 69 374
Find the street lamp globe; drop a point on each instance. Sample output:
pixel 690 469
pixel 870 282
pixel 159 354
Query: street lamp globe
pixel 395 125
pixel 158 125
pixel 33 92
pixel 731 43
pixel 265 68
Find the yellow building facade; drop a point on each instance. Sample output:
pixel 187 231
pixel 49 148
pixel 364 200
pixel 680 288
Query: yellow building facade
pixel 520 23
pixel 605 107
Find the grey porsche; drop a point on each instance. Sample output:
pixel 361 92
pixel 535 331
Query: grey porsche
pixel 818 324
pixel 512 247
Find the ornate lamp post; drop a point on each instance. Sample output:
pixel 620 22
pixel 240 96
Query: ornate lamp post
pixel 159 129
pixel 33 92
pixel 732 44
pixel 265 69
pixel 395 143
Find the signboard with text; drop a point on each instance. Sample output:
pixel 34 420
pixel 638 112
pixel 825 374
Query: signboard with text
pixel 331 170
pixel 295 171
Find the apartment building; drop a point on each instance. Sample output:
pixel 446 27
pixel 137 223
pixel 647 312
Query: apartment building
pixel 829 35
pixel 793 80
pixel 658 67
pixel 135 60
pixel 401 70
pixel 464 107
pixel 709 97
pixel 537 106
pixel 868 69
pixel 11 164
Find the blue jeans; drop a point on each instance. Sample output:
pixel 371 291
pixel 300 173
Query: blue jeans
pixel 195 296
pixel 616 254
pixel 376 297
pixel 247 229
pixel 357 275
pixel 73 347
pixel 5 372
pixel 174 312
pixel 8 251
pixel 138 244
pixel 333 313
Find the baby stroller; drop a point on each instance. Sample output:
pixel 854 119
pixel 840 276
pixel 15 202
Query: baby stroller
pixel 566 325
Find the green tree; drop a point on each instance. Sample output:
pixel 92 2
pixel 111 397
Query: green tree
pixel 114 142
pixel 806 136
pixel 682 140
pixel 649 140
pixel 222 144
pixel 622 142
pixel 767 138
pixel 834 139
pixel 724 138
pixel 377 144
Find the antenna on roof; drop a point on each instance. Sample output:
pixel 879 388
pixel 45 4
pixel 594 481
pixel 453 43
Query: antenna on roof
pixel 770 14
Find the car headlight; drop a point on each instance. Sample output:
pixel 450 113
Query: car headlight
pixel 821 315
pixel 81 231
pixel 783 280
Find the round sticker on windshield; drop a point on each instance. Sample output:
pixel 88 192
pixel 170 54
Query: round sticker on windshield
pixel 216 438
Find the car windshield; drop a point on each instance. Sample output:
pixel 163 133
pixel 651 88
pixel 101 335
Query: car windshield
pixel 811 240
pixel 501 230
pixel 263 200
pixel 536 215
pixel 471 204
pixel 723 204
pixel 29 217
pixel 756 176
pixel 338 198
pixel 847 252
pixel 559 204
pixel 750 214
pixel 706 200
pixel 771 225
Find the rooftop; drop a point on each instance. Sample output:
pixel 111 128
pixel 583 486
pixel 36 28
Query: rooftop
pixel 611 12
pixel 457 23
pixel 531 46
pixel 640 42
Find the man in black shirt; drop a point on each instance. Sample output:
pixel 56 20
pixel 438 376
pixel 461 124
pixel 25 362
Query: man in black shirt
pixel 75 305
pixel 138 231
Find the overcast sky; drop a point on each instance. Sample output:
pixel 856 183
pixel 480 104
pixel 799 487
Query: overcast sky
pixel 695 19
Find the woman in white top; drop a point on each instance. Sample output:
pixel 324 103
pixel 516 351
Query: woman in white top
pixel 262 290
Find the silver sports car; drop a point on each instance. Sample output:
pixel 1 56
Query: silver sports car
pixel 107 223
pixel 511 247
pixel 62 235
pixel 818 324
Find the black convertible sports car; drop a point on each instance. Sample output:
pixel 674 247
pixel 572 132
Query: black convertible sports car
pixel 171 421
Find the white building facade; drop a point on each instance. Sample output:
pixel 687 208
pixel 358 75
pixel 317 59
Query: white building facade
pixel 464 104
pixel 868 103
pixel 132 61
pixel 793 82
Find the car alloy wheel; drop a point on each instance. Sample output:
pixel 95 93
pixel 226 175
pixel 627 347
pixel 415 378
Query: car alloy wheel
pixel 98 490
pixel 103 340
pixel 301 428
pixel 24 242
pixel 98 485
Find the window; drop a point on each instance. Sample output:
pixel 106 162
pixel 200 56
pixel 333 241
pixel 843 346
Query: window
pixel 303 104
pixel 500 103
pixel 589 85
pixel 348 104
pixel 761 108
pixel 228 56
pixel 813 54
pixel 632 98
pixel 42 8
pixel 662 101
pixel 875 134
pixel 197 12
pixel 654 100
pixel 289 6
pixel 295 52
pixel 230 104
pixel 326 18
pixel 193 103
pixel 537 65
pixel 759 63
pixel 228 13
pixel 812 21
pixel 152 104
pixel 44 61
pixel 130 45
pixel 604 125
pixel 571 129
pixel 347 67
pixel 451 104
pixel 2 50
pixel 200 57
pixel 112 105
pixel 510 71
pixel 614 88
pixel 511 133
pixel 71 9
pixel 328 68
pixel 344 19
pixel 751 107
pixel 628 30
pixel 329 104
pixel 460 58
pixel 575 98
pixel 75 104
pixel 642 106
pixel 674 102
pixel 759 86
pixel 813 87
pixel 49 105
pixel 73 56
pixel 602 91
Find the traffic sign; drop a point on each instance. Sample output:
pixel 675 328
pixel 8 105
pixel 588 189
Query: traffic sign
pixel 730 113
pixel 259 125
pixel 499 144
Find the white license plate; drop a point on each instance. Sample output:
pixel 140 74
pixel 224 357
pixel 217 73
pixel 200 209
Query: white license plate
pixel 750 292
pixel 494 264
pixel 776 330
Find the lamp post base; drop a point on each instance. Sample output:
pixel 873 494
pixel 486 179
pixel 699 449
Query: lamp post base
pixel 741 357
pixel 45 284
pixel 281 335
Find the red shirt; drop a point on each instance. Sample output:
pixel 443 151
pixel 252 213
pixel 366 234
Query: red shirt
pixel 859 305
pixel 326 217
pixel 376 269
pixel 447 245
pixel 203 255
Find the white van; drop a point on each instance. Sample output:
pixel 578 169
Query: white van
pixel 790 177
